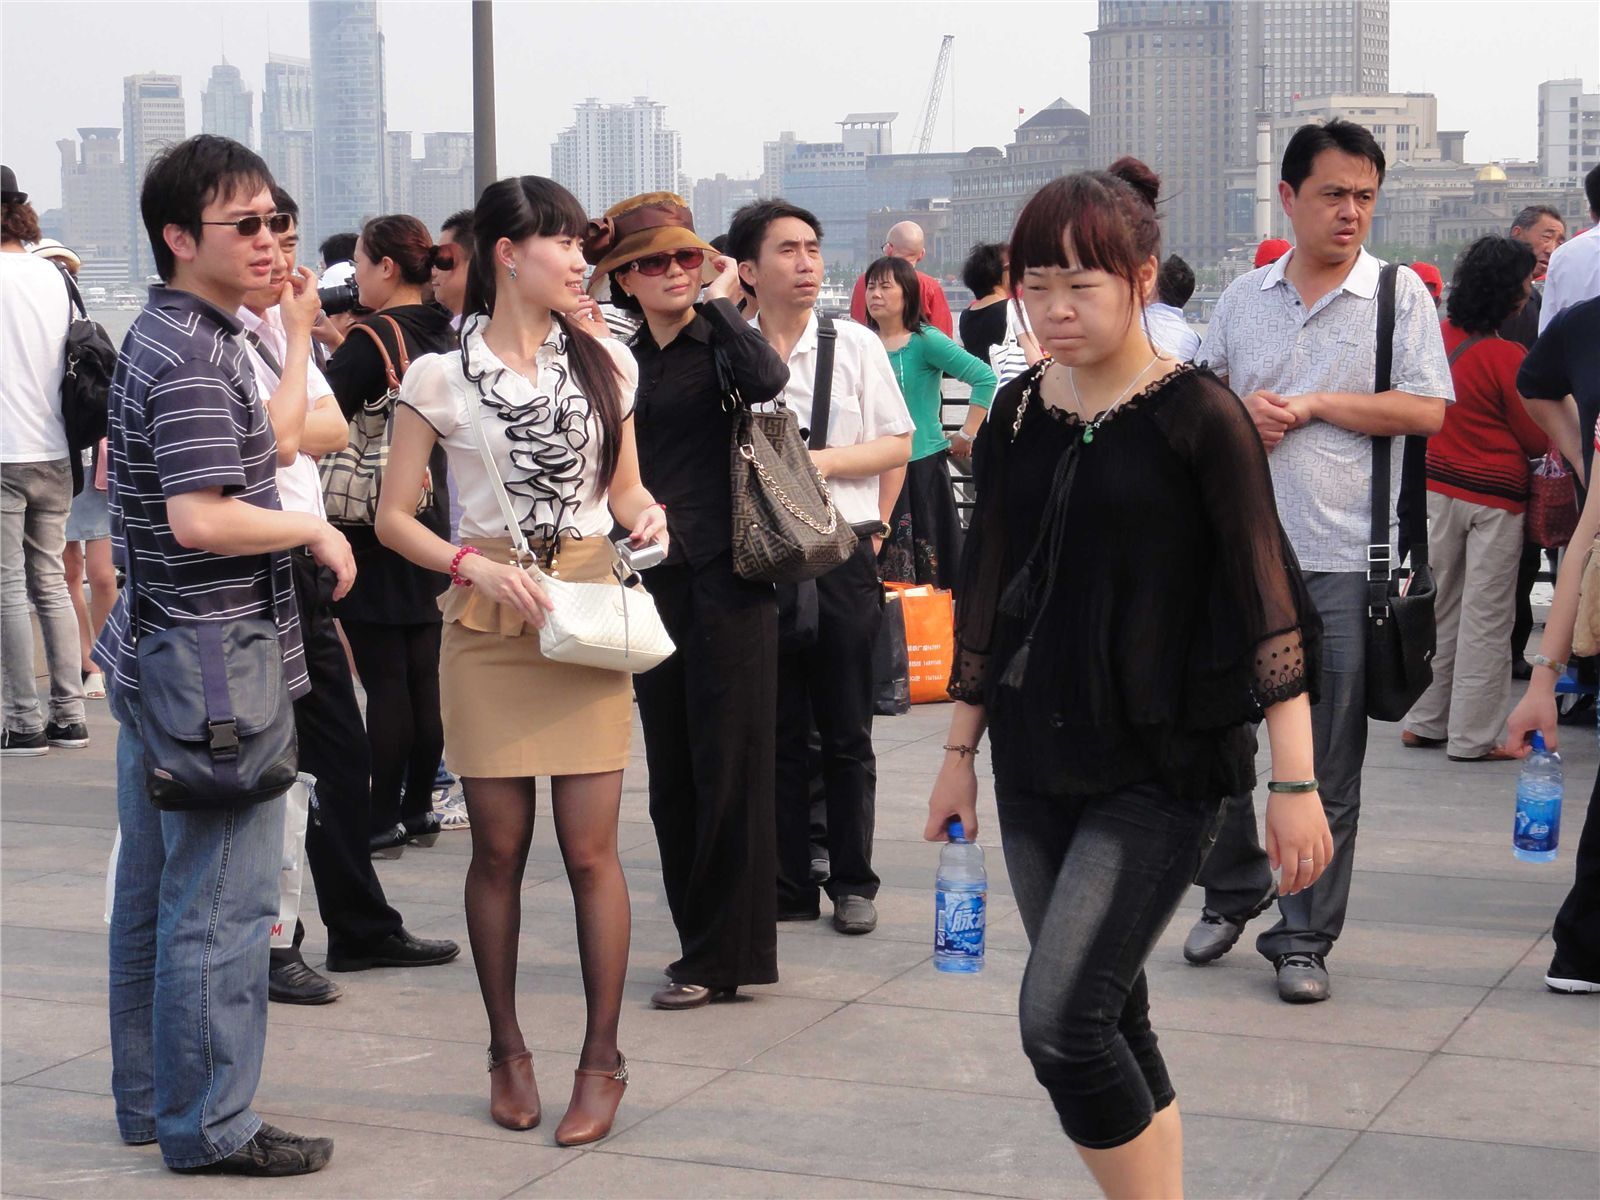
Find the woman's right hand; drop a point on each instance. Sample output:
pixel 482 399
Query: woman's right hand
pixel 507 584
pixel 726 285
pixel 1535 711
pixel 955 794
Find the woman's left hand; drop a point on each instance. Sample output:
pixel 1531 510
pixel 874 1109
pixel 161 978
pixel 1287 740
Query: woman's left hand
pixel 1298 839
pixel 650 527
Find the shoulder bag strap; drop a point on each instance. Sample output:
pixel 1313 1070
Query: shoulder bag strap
pixel 1379 553
pixel 822 388
pixel 388 363
pixel 400 345
pixel 496 484
pixel 76 310
pixel 1464 347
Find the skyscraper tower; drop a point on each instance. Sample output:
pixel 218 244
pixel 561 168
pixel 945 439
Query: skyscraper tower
pixel 287 142
pixel 613 151
pixel 152 118
pixel 225 105
pixel 347 108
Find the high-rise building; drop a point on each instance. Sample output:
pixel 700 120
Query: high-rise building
pixel 397 171
pixel 1569 130
pixel 1180 83
pixel 773 156
pixel 347 108
pixel 716 200
pixel 442 180
pixel 225 105
pixel 986 196
pixel 287 143
pixel 613 151
pixel 94 202
pixel 152 119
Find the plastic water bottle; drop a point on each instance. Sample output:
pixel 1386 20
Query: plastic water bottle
pixel 962 889
pixel 1537 829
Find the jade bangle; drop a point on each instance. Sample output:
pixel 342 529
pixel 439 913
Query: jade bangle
pixel 1292 789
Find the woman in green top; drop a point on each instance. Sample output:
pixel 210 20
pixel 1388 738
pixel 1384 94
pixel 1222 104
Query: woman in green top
pixel 924 542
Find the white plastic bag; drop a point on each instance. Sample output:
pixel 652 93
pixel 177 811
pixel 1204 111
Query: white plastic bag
pixel 291 878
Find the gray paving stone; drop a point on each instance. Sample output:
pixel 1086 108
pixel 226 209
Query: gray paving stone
pixel 1383 1164
pixel 51 964
pixel 627 1175
pixel 40 1034
pixel 1540 1026
pixel 1499 1100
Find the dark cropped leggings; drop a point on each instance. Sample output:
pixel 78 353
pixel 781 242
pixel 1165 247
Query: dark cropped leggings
pixel 1097 878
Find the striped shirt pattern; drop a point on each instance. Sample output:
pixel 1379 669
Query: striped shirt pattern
pixel 185 418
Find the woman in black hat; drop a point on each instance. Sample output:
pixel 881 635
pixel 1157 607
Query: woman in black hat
pixel 710 711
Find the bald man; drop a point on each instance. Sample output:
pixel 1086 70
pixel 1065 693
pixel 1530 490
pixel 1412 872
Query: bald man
pixel 906 241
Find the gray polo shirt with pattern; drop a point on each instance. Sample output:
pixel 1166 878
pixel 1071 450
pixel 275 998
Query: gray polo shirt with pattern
pixel 1263 338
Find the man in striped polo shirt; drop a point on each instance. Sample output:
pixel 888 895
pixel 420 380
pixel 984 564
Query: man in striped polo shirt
pixel 198 527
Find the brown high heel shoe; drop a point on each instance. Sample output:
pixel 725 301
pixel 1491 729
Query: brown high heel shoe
pixel 513 1091
pixel 595 1097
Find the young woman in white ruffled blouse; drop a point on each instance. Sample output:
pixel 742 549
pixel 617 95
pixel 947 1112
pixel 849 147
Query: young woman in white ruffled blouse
pixel 556 404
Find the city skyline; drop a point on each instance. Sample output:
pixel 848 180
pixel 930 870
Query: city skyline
pixel 719 135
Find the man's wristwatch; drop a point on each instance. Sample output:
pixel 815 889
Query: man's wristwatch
pixel 963 435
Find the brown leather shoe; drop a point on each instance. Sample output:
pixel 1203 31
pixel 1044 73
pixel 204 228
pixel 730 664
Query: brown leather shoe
pixel 1495 755
pixel 513 1091
pixel 1415 741
pixel 688 995
pixel 595 1097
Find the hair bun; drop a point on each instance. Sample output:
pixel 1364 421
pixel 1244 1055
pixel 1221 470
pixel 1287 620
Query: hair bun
pixel 1138 176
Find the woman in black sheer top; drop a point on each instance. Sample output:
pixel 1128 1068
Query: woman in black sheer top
pixel 1130 606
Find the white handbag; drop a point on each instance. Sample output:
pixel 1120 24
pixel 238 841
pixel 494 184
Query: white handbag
pixel 610 626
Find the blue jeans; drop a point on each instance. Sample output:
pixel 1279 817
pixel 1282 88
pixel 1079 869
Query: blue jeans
pixel 196 894
pixel 1096 879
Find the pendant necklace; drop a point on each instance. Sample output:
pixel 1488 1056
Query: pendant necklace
pixel 1090 428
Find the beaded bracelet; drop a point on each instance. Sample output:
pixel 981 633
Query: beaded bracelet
pixel 456 578
pixel 963 751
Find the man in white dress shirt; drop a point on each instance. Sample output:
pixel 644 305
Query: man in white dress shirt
pixel 1574 274
pixel 829 680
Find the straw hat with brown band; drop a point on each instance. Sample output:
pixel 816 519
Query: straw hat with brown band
pixel 638 226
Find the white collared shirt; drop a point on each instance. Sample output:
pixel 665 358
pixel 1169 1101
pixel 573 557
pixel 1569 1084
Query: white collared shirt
pixel 865 404
pixel 1170 332
pixel 299 484
pixel 1573 276
pixel 1262 338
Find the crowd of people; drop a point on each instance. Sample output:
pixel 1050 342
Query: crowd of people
pixel 1171 548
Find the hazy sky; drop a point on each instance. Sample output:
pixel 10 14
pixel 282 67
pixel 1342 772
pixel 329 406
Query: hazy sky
pixel 806 64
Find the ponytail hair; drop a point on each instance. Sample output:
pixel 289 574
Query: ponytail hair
pixel 403 240
pixel 532 206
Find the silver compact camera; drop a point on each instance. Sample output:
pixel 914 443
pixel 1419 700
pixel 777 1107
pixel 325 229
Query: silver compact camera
pixel 640 558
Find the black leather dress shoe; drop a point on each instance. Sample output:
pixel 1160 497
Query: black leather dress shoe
pixel 272 1152
pixel 390 843
pixel 399 949
pixel 294 982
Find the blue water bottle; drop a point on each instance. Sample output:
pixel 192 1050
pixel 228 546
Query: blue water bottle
pixel 1537 829
pixel 961 890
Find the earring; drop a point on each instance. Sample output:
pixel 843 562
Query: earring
pixel 511 269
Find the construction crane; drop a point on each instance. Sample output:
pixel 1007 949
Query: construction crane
pixel 930 113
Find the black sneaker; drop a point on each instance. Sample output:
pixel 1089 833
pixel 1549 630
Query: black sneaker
pixel 1570 978
pixel 23 745
pixel 69 737
pixel 272 1152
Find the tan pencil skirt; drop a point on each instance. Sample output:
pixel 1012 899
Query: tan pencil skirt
pixel 508 711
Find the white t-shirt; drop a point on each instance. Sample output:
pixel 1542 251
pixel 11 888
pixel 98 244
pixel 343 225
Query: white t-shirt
pixel 299 484
pixel 35 311
pixel 544 438
pixel 1573 277
pixel 865 404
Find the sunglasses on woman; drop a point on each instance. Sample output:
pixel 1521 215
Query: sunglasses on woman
pixel 688 258
pixel 251 225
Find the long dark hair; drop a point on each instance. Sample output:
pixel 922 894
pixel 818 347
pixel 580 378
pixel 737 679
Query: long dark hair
pixel 904 274
pixel 532 206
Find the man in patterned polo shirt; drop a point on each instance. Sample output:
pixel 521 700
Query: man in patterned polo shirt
pixel 1297 340
pixel 202 538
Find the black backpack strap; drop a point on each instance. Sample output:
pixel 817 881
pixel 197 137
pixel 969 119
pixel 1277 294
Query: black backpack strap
pixel 78 311
pixel 1464 347
pixel 822 387
pixel 1379 553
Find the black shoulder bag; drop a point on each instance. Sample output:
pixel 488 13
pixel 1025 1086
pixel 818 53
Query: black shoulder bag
pixel 91 360
pixel 1401 637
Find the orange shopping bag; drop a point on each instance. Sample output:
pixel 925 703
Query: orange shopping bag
pixel 930 639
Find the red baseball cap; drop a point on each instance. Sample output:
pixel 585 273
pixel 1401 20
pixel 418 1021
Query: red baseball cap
pixel 1271 250
pixel 1431 279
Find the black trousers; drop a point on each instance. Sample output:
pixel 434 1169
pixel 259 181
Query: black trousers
pixel 333 747
pixel 1577 931
pixel 399 667
pixel 830 682
pixel 709 714
pixel 1522 627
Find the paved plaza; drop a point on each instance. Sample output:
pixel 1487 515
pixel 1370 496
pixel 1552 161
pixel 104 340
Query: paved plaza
pixel 1441 1067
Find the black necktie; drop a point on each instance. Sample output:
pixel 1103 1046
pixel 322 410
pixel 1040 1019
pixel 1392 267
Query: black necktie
pixel 266 355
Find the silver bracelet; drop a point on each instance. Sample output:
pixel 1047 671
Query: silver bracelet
pixel 1560 668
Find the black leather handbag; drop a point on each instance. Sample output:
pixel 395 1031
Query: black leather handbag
pixel 1401 633
pixel 217 719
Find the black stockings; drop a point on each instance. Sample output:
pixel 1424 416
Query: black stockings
pixel 502 814
pixel 399 667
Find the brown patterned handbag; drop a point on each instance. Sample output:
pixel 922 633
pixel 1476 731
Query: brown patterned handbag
pixel 353 477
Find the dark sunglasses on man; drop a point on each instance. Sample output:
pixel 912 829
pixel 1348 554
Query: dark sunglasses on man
pixel 251 225
pixel 688 258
